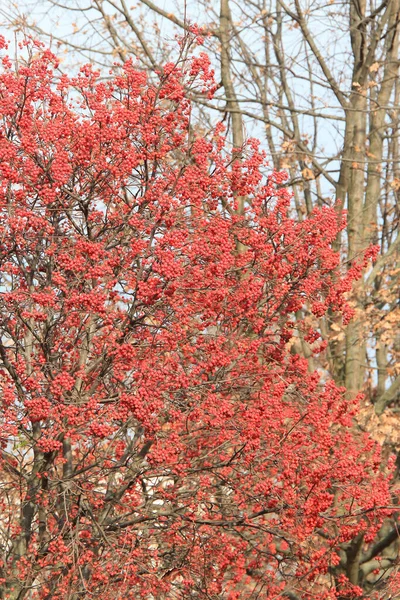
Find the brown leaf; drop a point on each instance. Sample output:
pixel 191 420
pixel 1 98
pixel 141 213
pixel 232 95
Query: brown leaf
pixel 307 174
pixel 395 184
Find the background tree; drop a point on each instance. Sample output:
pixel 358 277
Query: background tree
pixel 159 437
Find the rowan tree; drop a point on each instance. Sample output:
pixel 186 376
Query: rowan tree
pixel 160 438
pixel 319 83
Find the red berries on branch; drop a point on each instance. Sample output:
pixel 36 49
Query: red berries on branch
pixel 161 439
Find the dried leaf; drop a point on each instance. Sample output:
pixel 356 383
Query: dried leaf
pixel 307 174
pixel 395 184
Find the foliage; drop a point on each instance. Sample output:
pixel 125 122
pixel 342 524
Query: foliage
pixel 159 438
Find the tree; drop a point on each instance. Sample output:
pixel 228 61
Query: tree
pixel 319 84
pixel 160 439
